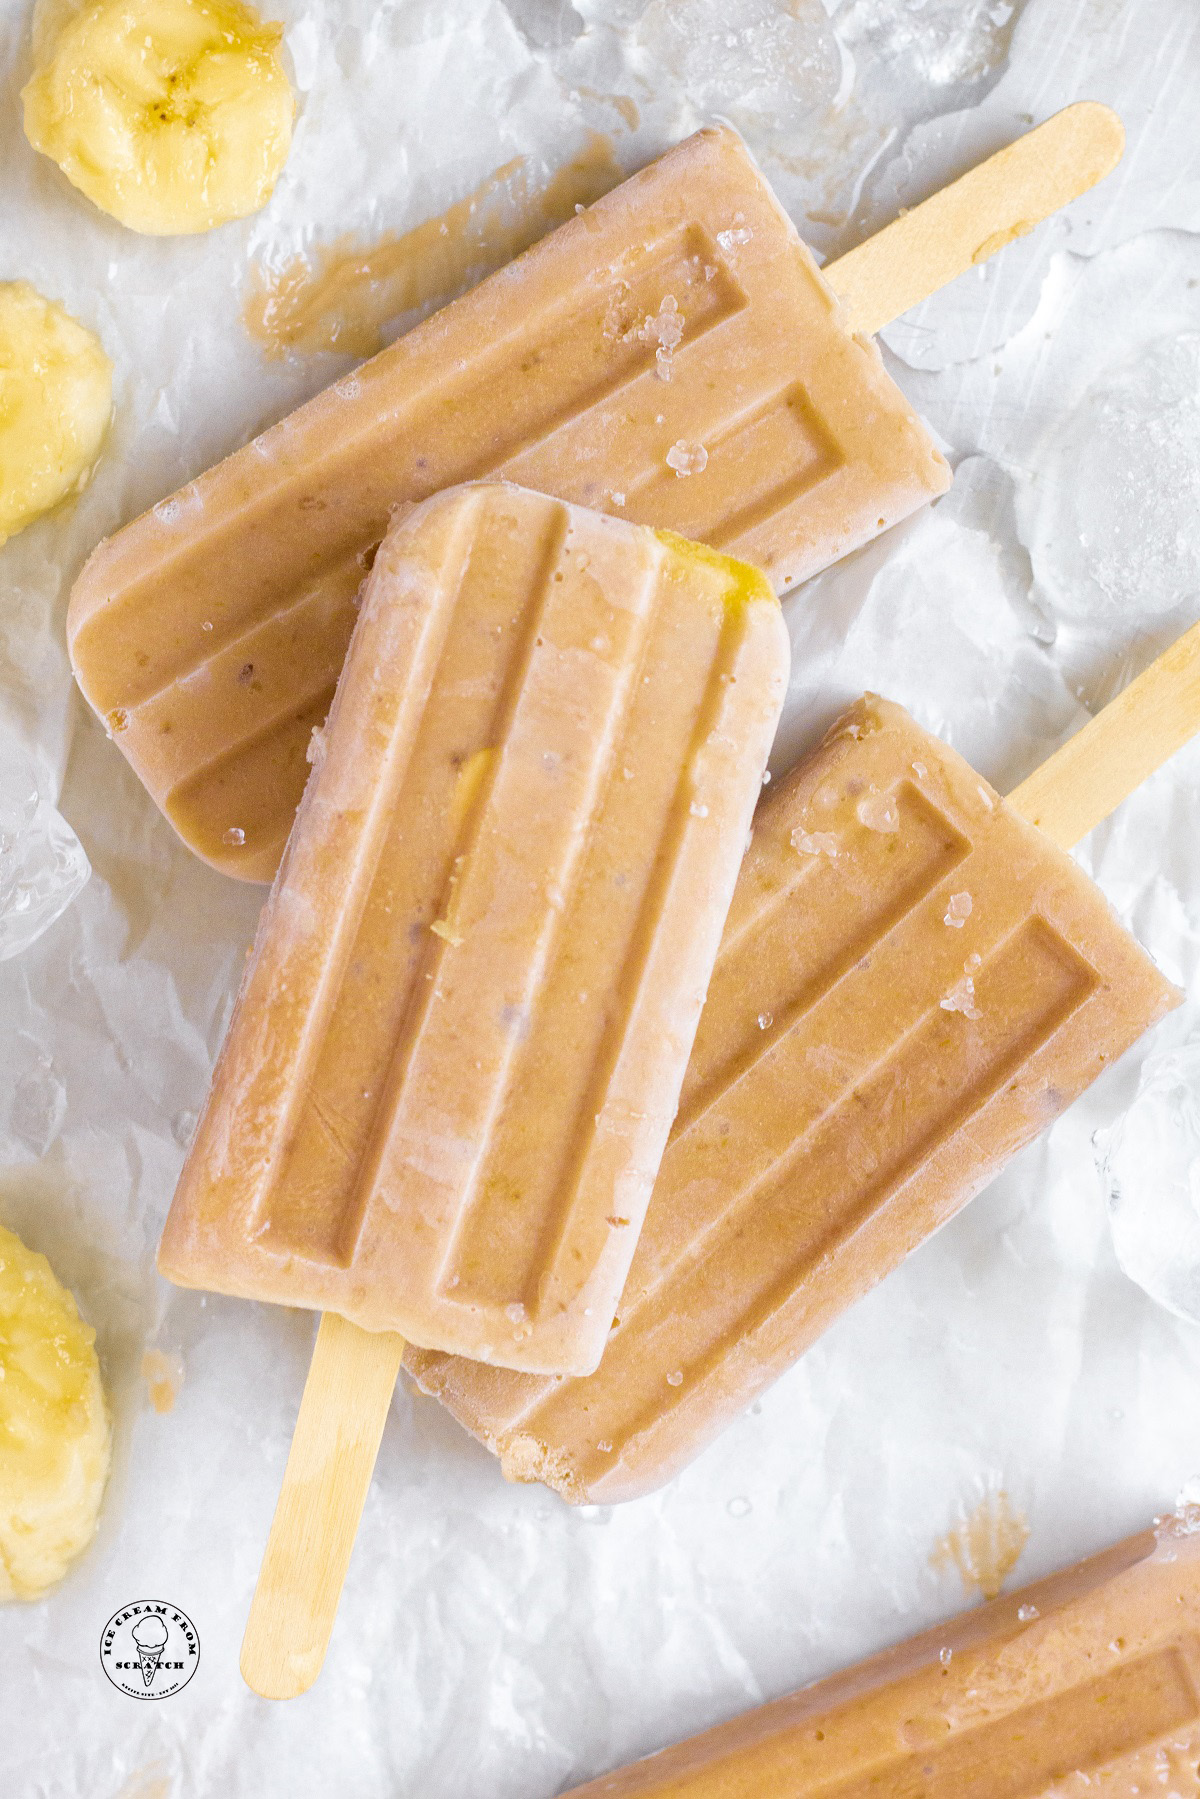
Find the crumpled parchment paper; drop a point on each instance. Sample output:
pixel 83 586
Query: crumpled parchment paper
pixel 492 1641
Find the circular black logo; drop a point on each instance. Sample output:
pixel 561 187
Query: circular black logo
pixel 149 1649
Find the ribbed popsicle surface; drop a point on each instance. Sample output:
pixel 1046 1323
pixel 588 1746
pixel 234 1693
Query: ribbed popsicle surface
pixel 912 984
pixel 682 309
pixel 453 1067
pixel 1086 1683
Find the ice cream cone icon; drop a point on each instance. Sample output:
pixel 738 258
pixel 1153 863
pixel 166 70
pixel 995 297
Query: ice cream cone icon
pixel 150 1639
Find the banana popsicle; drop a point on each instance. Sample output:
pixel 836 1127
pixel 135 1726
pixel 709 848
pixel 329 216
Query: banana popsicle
pixel 913 982
pixel 453 1065
pixel 672 356
pixel 1086 1682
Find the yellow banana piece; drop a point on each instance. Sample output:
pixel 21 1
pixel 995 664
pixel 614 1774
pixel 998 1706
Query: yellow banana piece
pixel 55 1440
pixel 172 115
pixel 55 405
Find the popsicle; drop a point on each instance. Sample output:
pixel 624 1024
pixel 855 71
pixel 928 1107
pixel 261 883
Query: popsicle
pixel 1086 1682
pixel 447 1085
pixel 913 982
pixel 671 355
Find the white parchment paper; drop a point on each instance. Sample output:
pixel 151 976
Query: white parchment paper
pixel 491 1641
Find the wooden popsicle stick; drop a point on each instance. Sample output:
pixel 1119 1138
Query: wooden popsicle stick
pixel 329 1467
pixel 1116 751
pixel 970 220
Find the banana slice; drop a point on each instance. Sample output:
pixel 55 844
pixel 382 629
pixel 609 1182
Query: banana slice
pixel 55 405
pixel 172 115
pixel 55 1441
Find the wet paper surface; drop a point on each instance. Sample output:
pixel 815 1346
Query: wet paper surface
pixel 491 1640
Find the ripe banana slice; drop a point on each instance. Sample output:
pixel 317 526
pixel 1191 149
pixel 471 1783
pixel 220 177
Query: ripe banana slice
pixel 55 405
pixel 55 1441
pixel 172 115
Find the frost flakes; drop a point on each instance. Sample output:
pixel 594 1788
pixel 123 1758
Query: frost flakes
pixel 879 812
pixel 958 911
pixel 686 458
pixel 814 843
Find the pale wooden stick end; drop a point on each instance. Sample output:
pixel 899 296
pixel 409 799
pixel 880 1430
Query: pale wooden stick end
pixel 1117 750
pixel 967 222
pixel 329 1468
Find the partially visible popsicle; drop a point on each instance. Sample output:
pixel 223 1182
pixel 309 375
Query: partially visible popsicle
pixel 454 1062
pixel 672 355
pixel 1087 1682
pixel 913 982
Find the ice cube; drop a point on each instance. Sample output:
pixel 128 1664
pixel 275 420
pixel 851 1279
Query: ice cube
pixel 1149 1161
pixel 1119 484
pixel 781 71
pixel 42 863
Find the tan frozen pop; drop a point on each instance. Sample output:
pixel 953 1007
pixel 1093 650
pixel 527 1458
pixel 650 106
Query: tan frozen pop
pixel 913 982
pixel 672 355
pixel 1085 1683
pixel 453 1065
